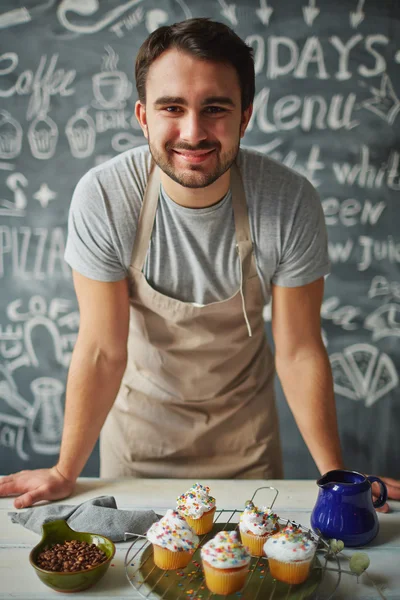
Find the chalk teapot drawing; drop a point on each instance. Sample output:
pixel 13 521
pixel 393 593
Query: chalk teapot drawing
pixel 345 510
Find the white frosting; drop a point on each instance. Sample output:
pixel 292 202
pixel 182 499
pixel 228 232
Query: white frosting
pixel 195 502
pixel 290 545
pixel 224 551
pixel 258 521
pixel 173 532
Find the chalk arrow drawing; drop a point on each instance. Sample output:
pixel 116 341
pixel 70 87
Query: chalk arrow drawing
pixel 357 16
pixel 228 11
pixel 264 12
pixel 310 12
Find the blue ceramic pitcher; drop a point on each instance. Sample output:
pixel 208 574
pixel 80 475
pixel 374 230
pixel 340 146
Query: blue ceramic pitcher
pixel 344 509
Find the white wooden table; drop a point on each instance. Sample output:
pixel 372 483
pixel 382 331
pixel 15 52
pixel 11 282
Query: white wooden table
pixel 295 501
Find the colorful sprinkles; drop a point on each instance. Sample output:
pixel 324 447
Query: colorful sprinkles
pixel 258 520
pixel 173 532
pixel 291 543
pixel 225 551
pixel 195 502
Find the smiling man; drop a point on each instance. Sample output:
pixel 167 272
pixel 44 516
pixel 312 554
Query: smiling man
pixel 176 247
pixel 191 113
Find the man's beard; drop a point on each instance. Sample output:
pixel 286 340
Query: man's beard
pixel 193 177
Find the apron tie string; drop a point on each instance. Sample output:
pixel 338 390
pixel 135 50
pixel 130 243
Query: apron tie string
pixel 242 295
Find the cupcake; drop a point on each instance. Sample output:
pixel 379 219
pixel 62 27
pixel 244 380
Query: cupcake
pixel 225 563
pixel 290 554
pixel 198 508
pixel 174 542
pixel 256 525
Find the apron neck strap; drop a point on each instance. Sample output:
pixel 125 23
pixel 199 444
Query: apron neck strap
pixel 244 243
pixel 146 218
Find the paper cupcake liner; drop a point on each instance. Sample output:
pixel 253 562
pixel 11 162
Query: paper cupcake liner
pixel 168 560
pixel 204 524
pixel 255 543
pixel 290 572
pixel 225 581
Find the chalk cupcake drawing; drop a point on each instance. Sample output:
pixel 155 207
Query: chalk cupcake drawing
pixel 10 136
pixel 43 136
pixel 81 133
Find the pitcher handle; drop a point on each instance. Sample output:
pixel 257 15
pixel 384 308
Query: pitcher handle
pixel 383 497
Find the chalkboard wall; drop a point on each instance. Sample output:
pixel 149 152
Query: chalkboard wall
pixel 327 104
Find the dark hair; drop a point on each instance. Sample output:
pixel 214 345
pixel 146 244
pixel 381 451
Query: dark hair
pixel 205 39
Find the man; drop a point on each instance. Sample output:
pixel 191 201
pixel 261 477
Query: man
pixel 175 248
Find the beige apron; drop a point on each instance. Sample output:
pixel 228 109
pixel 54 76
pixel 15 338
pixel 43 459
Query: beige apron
pixel 197 397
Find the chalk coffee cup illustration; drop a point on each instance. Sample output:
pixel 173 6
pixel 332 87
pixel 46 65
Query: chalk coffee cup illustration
pixel 45 428
pixel 111 89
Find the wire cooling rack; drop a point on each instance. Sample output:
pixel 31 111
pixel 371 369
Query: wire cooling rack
pixel 153 583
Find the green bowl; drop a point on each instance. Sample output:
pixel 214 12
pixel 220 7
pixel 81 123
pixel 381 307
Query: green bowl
pixel 58 532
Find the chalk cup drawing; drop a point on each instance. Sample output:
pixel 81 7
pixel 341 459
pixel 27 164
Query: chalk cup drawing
pixel 360 372
pixel 111 88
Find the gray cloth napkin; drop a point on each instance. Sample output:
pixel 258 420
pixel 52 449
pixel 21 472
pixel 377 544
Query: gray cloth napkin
pixel 98 515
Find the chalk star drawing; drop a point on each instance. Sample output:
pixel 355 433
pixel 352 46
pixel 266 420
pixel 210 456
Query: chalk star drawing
pixel 44 195
pixel 385 102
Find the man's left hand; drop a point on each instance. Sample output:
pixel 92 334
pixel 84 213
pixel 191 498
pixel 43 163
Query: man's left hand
pixel 393 488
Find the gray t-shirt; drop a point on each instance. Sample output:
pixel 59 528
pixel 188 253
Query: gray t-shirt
pixel 192 254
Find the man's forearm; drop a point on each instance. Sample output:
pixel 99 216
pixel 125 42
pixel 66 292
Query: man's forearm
pixel 93 383
pixel 308 387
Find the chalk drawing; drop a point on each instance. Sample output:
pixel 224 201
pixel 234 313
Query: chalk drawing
pixel 357 16
pixel 81 134
pixel 384 102
pixel 42 137
pixel 361 372
pixel 229 12
pixel 45 426
pixel 111 87
pixel 87 8
pixel 44 195
pixel 10 136
pixel 384 321
pixel 264 13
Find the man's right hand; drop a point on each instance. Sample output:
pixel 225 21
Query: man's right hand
pixel 35 486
